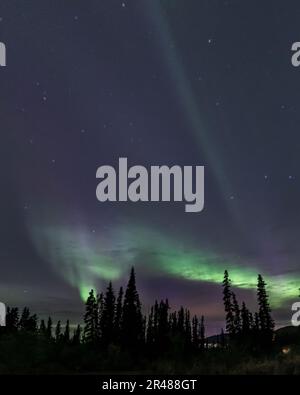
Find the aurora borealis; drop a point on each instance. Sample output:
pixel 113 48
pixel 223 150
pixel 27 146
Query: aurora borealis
pixel 160 83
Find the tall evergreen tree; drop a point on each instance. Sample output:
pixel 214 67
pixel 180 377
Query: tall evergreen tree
pixel 180 321
pixel 245 317
pixel 237 314
pixel 77 335
pixel 227 299
pixel 132 321
pixel 24 319
pixel 202 333
pixel 150 332
pixel 251 320
pixel 33 322
pixel 187 328
pixel 118 315
pixel 12 318
pixel 108 316
pixel 42 328
pixel 58 331
pixel 28 322
pixel 49 328
pixel 195 332
pixel 163 325
pixel 256 325
pixel 91 319
pixel 66 336
pixel 99 314
pixel 264 313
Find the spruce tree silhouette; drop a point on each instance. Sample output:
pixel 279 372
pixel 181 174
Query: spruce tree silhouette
pixel 90 319
pixel 162 340
pixel 99 313
pixel 187 329
pixel 149 330
pixel 67 332
pixel 245 318
pixel 180 321
pixel 42 329
pixel 132 321
pixel 49 328
pixel 58 331
pixel 27 322
pixel 202 333
pixel 24 319
pixel 118 316
pixel 108 316
pixel 227 299
pixel 251 320
pixel 264 313
pixel 256 325
pixel 195 332
pixel 12 318
pixel 77 335
pixel 237 314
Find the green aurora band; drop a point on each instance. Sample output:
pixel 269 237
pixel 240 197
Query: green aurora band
pixel 83 260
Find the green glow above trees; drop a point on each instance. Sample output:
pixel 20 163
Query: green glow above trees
pixel 84 259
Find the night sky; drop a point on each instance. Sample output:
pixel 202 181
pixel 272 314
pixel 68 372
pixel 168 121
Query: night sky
pixel 197 82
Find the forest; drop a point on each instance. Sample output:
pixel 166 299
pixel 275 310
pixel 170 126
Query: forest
pixel 117 336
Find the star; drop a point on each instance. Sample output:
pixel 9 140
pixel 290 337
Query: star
pixel 231 197
pixel 44 98
pixel 123 5
pixel 265 177
pixel 82 130
pixel 210 41
pixel 53 161
pixel 76 18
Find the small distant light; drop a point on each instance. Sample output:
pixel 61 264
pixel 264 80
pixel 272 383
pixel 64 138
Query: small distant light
pixel 286 350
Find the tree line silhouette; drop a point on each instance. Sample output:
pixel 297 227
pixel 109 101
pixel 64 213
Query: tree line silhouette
pixel 116 333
